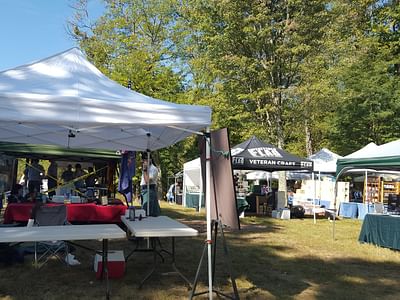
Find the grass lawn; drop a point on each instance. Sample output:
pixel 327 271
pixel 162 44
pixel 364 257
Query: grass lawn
pixel 272 259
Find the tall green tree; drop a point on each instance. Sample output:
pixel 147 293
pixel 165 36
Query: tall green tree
pixel 367 77
pixel 248 55
pixel 132 43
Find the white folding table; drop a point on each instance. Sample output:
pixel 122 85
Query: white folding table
pixel 102 232
pixel 157 227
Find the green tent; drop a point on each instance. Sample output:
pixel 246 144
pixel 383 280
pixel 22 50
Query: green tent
pixel 383 157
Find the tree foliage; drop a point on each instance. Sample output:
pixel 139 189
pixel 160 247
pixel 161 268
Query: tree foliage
pixel 300 74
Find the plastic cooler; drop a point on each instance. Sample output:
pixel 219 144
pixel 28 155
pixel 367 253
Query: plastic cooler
pixel 116 264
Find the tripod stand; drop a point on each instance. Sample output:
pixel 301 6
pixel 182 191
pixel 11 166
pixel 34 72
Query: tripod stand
pixel 217 225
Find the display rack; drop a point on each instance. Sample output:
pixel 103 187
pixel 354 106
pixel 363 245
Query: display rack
pixel 387 188
pixel 372 192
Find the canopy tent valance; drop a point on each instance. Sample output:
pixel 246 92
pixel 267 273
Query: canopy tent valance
pixel 254 154
pixel 65 100
pixel 49 152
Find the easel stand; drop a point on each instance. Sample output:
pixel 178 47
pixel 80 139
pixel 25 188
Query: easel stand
pixel 217 225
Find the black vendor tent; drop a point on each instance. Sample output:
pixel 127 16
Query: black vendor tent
pixel 254 154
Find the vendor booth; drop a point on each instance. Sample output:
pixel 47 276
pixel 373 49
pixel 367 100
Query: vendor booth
pixel 379 166
pixel 253 154
pixel 65 101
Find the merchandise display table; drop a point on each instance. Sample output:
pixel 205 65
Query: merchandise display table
pixel 83 213
pixel 102 232
pixel 381 230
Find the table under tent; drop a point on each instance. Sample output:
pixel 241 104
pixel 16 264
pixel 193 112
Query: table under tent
pixel 379 170
pixel 65 100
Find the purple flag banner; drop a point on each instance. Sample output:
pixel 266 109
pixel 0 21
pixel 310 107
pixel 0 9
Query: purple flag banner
pixel 128 160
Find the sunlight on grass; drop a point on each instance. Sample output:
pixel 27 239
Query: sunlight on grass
pixel 271 259
pixel 354 280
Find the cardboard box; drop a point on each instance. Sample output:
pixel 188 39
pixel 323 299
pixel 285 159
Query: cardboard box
pixel 116 264
pixel 285 214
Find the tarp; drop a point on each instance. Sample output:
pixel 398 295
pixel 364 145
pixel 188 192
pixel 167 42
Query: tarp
pixel 254 154
pixel 65 100
pixel 324 161
pixel 383 157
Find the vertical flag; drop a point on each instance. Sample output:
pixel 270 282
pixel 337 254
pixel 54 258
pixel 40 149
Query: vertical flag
pixel 127 172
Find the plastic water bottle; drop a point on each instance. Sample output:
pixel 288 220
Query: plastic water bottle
pixel 132 213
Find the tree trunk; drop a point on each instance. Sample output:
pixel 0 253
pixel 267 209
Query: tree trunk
pixel 309 143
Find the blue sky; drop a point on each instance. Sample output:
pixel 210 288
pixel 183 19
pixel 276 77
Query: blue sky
pixel 35 29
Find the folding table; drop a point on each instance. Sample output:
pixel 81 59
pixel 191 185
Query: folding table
pixel 157 227
pixel 66 233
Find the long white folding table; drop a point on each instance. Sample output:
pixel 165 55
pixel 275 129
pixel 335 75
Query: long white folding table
pixel 102 232
pixel 157 227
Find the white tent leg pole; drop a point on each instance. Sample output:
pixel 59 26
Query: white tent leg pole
pixel 314 195
pixel 148 182
pixel 366 187
pixel 201 195
pixel 208 211
pixel 148 174
pixel 319 181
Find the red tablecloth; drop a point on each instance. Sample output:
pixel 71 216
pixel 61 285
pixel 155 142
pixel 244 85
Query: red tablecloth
pixel 85 213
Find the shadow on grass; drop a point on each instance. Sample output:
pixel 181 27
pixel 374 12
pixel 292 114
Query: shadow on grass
pixel 265 269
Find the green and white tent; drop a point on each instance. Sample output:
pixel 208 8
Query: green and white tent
pixel 383 157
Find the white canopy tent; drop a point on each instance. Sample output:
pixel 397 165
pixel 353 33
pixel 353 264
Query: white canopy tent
pixel 368 150
pixel 192 181
pixel 324 161
pixel 65 100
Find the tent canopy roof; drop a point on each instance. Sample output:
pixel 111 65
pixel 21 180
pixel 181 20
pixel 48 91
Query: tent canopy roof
pixel 325 161
pixel 65 100
pixel 383 157
pixel 253 154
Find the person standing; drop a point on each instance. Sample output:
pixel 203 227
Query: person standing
pixel 35 176
pixel 52 178
pixel 149 180
pixel 171 194
pixel 67 176
pixel 78 176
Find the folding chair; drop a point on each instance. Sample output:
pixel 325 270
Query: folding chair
pixel 50 216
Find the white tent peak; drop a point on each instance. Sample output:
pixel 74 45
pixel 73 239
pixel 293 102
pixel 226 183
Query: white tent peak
pixel 324 155
pixel 324 161
pixel 41 102
pixel 369 150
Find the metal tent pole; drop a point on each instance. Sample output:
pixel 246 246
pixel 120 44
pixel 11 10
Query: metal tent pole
pixel 314 195
pixel 148 173
pixel 208 212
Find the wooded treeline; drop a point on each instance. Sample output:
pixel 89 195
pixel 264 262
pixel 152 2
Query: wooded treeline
pixel 299 74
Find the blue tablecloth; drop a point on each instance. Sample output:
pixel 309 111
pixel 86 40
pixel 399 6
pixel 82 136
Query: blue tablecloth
pixel 192 200
pixel 381 230
pixel 325 203
pixel 348 210
pixel 363 209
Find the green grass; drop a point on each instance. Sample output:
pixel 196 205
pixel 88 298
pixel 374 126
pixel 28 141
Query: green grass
pixel 272 259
